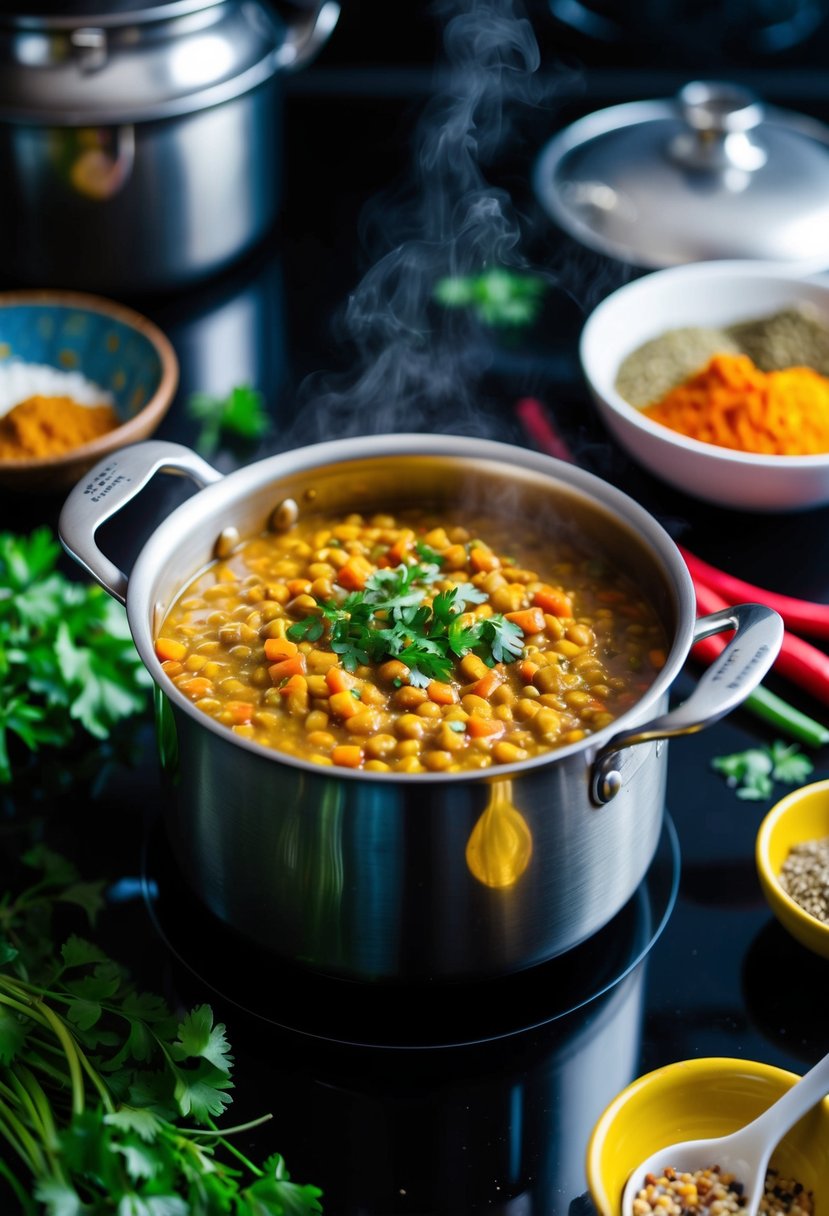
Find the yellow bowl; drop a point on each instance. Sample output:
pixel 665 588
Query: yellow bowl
pixel 801 815
pixel 697 1098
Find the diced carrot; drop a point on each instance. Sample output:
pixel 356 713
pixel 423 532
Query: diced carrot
pixel 526 670
pixel 344 705
pixel 347 755
pixel 279 648
pixel 610 596
pixel 480 728
pixel 293 666
pixel 196 686
pixel 298 586
pixel 528 620
pixel 397 552
pixel 172 668
pixel 167 648
pixel 483 559
pixel 241 711
pixel 293 684
pixel 487 684
pixel 657 658
pixel 354 575
pixel 550 599
pixel 441 693
pixel 339 680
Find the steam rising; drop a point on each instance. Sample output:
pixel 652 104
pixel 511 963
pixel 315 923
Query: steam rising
pixel 417 366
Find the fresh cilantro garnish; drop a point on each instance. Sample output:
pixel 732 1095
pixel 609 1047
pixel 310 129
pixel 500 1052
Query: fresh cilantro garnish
pixel 241 413
pixel 67 660
pixel 108 1100
pixel 427 554
pixel 390 618
pixel 752 773
pixel 498 297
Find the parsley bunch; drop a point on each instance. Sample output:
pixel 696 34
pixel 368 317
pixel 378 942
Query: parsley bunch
pixel 107 1101
pixel 389 619
pixel 67 659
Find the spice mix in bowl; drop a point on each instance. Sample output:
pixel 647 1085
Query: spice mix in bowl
pixel 792 858
pixel 79 377
pixel 715 377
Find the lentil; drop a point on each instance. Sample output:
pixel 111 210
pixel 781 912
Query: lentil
pixel 711 1192
pixel 805 877
pixel 586 644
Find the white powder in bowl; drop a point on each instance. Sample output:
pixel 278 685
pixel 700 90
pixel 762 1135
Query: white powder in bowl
pixel 19 380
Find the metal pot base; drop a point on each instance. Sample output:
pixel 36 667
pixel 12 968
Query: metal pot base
pixel 283 994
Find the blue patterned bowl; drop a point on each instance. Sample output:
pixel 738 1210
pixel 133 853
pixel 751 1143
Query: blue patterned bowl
pixel 118 350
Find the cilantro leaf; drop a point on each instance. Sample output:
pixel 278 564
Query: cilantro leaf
pixel 241 413
pixel 67 659
pixel 505 639
pixel 790 765
pixel 499 297
pixel 753 772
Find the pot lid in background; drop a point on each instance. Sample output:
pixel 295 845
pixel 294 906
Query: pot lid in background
pixel 90 64
pixel 710 174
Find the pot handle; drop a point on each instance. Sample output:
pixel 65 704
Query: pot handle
pixel 723 686
pixel 108 487
pixel 307 36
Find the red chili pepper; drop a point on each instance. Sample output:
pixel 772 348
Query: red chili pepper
pixel 539 426
pixel 797 661
pixel 805 615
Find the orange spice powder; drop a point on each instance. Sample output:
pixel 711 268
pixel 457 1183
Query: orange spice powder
pixel 732 404
pixel 48 426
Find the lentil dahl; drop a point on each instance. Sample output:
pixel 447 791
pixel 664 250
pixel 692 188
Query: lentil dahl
pixel 284 642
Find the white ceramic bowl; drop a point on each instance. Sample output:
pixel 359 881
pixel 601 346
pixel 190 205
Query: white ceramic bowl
pixel 701 294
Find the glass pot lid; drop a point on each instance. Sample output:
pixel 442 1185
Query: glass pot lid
pixel 709 174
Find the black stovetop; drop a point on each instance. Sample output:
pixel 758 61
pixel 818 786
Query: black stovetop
pixel 479 1100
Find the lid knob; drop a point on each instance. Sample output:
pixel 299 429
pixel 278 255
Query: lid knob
pixel 719 116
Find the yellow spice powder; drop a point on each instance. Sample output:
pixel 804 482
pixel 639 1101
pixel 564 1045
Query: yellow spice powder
pixel 48 426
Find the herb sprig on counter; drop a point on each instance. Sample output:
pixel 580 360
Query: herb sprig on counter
pixel 67 660
pixel 753 772
pixel 389 619
pixel 500 298
pixel 108 1101
pixel 241 414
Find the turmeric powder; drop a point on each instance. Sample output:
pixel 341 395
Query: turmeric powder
pixel 732 404
pixel 47 426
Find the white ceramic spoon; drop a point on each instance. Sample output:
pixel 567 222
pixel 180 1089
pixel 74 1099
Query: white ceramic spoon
pixel 745 1153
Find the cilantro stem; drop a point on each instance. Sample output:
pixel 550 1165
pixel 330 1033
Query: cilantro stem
pixel 220 1132
pixel 73 1057
pixel 21 1139
pixel 234 1151
pixel 26 1204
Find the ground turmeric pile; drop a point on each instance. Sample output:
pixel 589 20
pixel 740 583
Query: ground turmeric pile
pixel 732 404
pixel 48 426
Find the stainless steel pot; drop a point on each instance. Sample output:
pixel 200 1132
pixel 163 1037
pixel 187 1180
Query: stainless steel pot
pixel 430 876
pixel 140 146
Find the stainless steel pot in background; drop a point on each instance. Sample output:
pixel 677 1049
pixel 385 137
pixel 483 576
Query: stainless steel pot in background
pixel 435 876
pixel 140 146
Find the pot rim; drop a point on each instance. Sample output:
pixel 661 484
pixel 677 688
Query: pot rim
pixel 156 551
